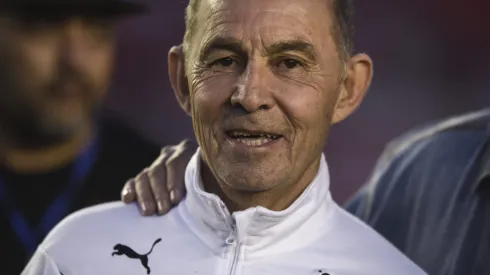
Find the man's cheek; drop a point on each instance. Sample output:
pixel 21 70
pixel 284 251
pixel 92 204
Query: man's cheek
pixel 201 127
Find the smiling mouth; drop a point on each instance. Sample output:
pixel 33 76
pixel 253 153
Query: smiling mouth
pixel 249 138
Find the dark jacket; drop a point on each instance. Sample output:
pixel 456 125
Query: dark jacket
pixel 430 195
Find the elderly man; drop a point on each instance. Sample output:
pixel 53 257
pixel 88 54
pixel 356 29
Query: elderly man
pixel 57 154
pixel 263 81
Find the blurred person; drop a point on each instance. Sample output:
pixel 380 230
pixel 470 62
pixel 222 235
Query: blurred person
pixel 57 154
pixel 263 82
pixel 429 194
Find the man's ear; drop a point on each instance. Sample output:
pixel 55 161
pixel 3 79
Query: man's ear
pixel 354 86
pixel 178 77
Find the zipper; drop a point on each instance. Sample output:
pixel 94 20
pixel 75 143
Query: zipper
pixel 232 241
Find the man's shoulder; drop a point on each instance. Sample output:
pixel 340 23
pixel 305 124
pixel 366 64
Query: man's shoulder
pixel 116 211
pixel 99 218
pixel 473 125
pixel 418 171
pixel 107 222
pixel 450 144
pixel 90 239
pixel 369 249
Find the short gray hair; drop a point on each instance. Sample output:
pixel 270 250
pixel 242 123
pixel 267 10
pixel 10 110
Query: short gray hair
pixel 343 30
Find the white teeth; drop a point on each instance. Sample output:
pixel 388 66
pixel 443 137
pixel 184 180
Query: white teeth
pixel 254 142
pixel 240 134
pixel 236 134
pixel 253 139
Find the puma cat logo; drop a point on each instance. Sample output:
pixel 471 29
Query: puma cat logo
pixel 121 249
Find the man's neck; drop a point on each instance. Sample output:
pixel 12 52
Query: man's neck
pixel 275 199
pixel 41 160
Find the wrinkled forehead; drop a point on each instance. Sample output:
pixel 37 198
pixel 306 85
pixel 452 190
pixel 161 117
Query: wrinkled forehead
pixel 266 21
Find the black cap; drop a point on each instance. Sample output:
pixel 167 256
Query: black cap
pixel 71 7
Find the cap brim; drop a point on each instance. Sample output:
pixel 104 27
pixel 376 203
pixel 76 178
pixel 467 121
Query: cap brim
pixel 116 8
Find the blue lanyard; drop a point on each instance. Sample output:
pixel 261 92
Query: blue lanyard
pixel 30 237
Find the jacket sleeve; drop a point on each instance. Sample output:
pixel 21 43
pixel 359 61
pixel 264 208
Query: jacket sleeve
pixel 41 264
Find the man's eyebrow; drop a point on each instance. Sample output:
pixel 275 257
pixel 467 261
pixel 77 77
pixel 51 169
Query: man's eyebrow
pixel 221 43
pixel 293 46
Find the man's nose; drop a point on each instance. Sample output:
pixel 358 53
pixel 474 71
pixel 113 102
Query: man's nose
pixel 75 44
pixel 254 91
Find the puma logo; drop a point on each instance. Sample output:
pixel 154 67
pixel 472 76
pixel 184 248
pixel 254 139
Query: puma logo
pixel 121 249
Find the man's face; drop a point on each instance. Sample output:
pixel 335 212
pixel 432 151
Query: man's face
pixel 265 80
pixel 53 72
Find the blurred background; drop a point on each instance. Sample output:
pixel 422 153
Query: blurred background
pixel 431 61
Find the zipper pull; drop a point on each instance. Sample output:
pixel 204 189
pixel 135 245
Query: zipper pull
pixel 231 239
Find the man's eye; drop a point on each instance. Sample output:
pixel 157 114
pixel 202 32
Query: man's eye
pixel 223 62
pixel 290 63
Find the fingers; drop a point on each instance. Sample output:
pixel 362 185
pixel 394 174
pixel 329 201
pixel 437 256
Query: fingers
pixel 157 177
pixel 161 186
pixel 176 165
pixel 144 194
pixel 128 193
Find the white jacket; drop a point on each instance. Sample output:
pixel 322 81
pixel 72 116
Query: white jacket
pixel 200 237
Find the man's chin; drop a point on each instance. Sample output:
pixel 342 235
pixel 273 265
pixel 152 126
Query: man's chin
pixel 256 184
pixel 49 134
pixel 38 140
